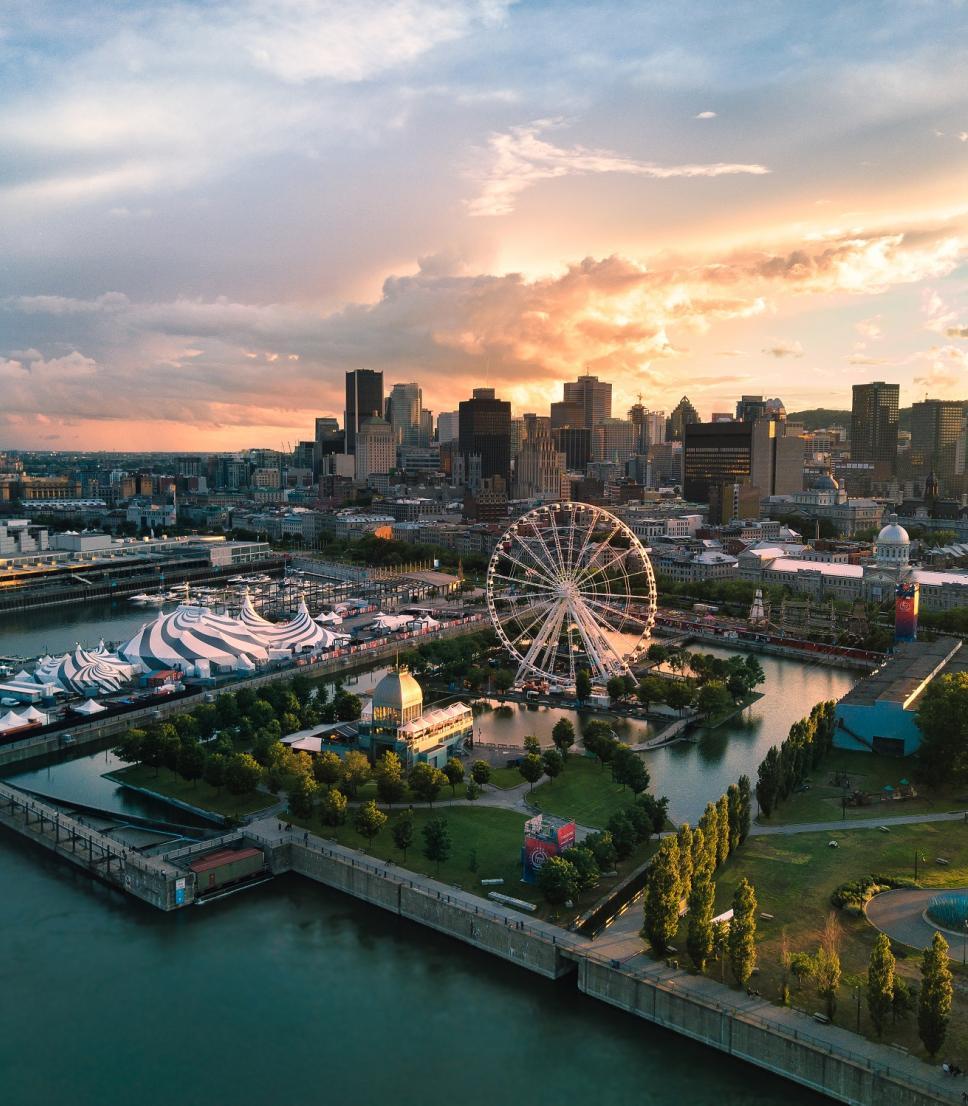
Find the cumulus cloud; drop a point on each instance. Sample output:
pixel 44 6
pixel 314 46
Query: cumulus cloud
pixel 944 369
pixel 784 349
pixel 520 158
pixel 221 362
pixel 705 115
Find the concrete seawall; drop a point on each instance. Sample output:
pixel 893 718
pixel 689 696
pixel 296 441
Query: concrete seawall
pixel 529 943
pixel 825 1065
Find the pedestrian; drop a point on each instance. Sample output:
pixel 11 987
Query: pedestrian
pixel 306 837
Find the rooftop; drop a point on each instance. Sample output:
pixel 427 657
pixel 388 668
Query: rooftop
pixel 907 673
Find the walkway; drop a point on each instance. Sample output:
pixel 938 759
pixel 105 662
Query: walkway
pixel 900 914
pixel 759 830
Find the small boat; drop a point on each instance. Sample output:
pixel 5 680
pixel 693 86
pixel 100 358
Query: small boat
pixel 141 597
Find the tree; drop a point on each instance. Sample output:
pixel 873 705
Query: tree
pixel 624 834
pixel 943 721
pixel 503 679
pixel 733 815
pixel 437 842
pixel 585 864
pixel 651 689
pixel 722 827
pixel 242 774
pixel 355 772
pixel 454 771
pixel 402 832
pixel 742 933
pixel 563 736
pixel 599 740
pixel 215 771
pixel 657 653
pixel 712 699
pixel 302 797
pixel 481 772
pixel 553 763
pixel 532 745
pixel 661 903
pixel 745 807
pixel 333 807
pixel 603 849
pixel 686 865
pixel 699 938
pixel 390 787
pixel 802 966
pixel 369 820
pixel 615 688
pixel 191 761
pixel 629 769
pixel 721 946
pixel 327 768
pixel 426 782
pixel 656 809
pixel 558 880
pixel 348 707
pixel 709 824
pixel 934 1001
pixel 130 748
pixel 472 791
pixel 679 695
pixel 826 965
pixel 583 684
pixel 880 982
pixel 768 781
pixel 531 769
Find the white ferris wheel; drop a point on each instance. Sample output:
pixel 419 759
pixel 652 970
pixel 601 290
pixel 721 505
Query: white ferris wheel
pixel 569 586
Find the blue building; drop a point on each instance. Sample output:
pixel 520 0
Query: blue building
pixel 879 713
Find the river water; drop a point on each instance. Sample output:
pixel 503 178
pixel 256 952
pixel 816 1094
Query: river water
pixel 295 992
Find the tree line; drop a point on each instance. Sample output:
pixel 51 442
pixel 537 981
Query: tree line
pixel 784 768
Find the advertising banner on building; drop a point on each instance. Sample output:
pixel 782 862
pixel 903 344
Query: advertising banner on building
pixel 906 612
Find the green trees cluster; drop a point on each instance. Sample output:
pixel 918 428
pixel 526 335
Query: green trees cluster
pixel 453 658
pixel 784 768
pixel 943 721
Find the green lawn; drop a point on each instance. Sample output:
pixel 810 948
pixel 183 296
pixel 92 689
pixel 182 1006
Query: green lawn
pixel 794 877
pixel 505 778
pixel 486 844
pixel 585 791
pixel 867 772
pixel 199 794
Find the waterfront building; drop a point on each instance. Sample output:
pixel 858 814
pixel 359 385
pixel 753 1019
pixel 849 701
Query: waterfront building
pixel 879 713
pixel 364 399
pixel 873 427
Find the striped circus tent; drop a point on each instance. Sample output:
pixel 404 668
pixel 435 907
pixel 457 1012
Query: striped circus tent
pixel 299 634
pixel 82 672
pixel 192 639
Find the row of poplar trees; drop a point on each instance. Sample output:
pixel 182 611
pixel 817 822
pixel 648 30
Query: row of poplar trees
pixel 682 871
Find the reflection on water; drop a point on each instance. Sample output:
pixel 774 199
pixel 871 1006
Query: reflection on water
pixel 696 772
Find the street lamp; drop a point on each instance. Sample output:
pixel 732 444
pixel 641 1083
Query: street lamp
pixel 917 857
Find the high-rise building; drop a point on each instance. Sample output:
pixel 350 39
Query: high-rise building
pixel 873 427
pixel 636 417
pixel 403 413
pixel 654 429
pixel 749 409
pixel 613 440
pixel 575 442
pixel 376 451
pixel 329 438
pixel 683 415
pixel 593 395
pixel 567 414
pixel 538 469
pixel 448 426
pixel 364 399
pixel 937 426
pixel 485 432
pixel 743 453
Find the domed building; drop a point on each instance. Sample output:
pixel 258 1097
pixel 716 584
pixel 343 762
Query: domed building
pixel 893 546
pixel 395 721
pixel 397 698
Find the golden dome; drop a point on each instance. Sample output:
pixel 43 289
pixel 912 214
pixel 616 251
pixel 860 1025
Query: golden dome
pixel 398 696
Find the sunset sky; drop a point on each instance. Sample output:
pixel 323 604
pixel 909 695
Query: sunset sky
pixel 209 211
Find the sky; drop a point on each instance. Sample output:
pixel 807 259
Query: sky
pixel 209 211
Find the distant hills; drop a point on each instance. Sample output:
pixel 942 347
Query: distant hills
pixel 818 418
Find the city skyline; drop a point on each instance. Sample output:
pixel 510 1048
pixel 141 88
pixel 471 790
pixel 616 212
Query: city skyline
pixel 208 215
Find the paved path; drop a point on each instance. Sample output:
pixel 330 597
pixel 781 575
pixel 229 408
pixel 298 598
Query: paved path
pixel 759 830
pixel 900 914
